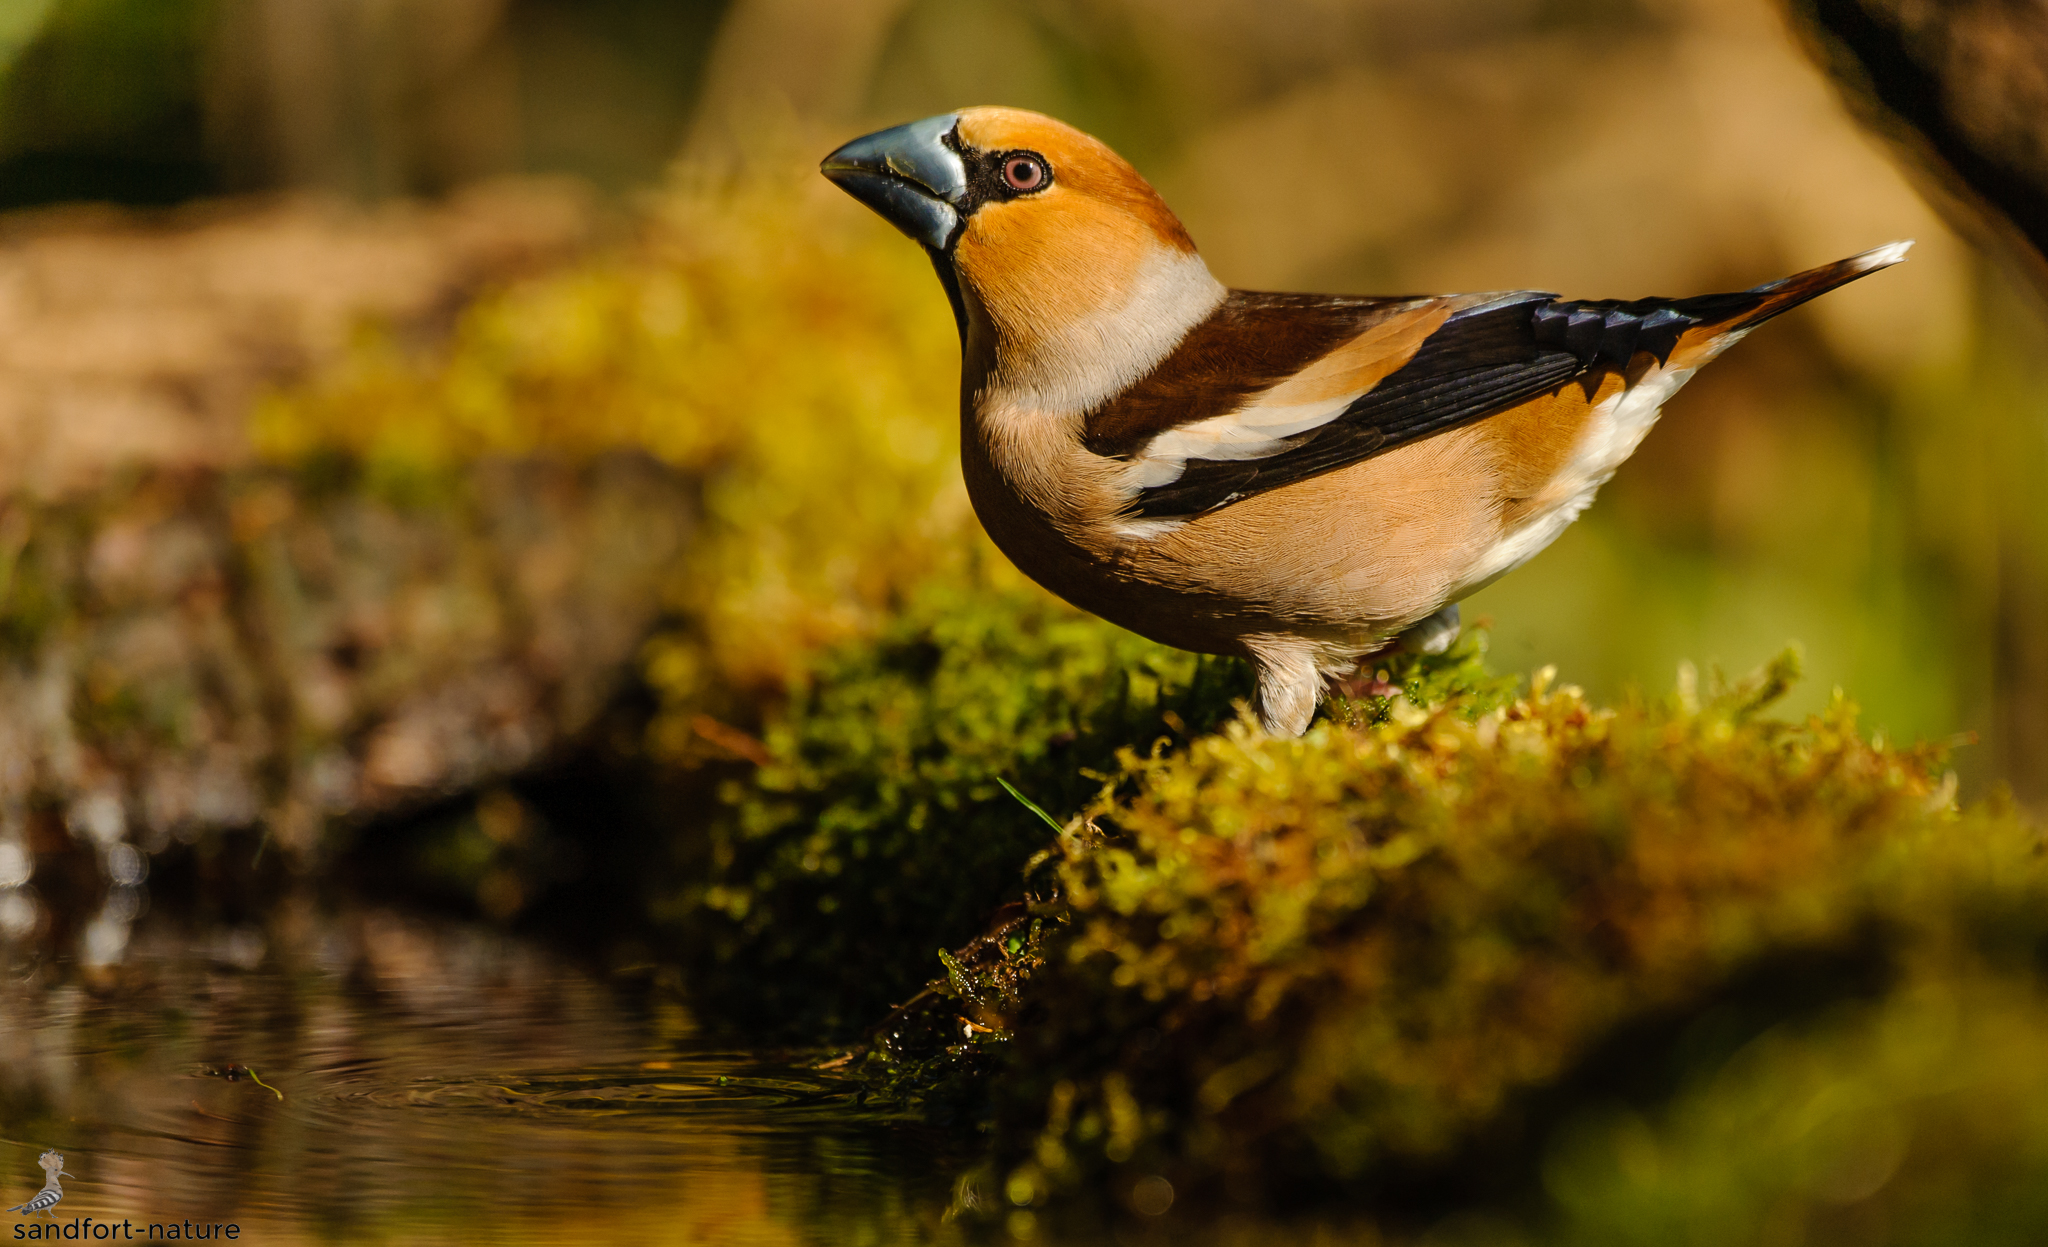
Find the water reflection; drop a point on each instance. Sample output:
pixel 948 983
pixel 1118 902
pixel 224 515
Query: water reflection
pixel 373 1076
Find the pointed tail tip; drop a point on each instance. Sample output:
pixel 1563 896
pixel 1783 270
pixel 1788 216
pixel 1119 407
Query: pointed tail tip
pixel 1882 257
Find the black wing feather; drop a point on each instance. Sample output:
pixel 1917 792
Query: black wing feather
pixel 1482 360
pixel 1478 362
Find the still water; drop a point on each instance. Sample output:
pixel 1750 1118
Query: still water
pixel 378 1077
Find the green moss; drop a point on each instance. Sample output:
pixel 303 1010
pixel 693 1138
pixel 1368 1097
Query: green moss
pixel 937 1052
pixel 1388 959
pixel 32 598
pixel 879 830
pixel 1918 1118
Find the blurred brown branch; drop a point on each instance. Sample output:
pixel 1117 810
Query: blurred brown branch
pixel 1962 86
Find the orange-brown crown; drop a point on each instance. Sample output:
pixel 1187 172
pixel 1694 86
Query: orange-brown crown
pixel 1083 168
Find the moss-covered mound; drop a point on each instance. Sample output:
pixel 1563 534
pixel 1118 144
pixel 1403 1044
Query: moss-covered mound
pixel 1456 961
pixel 877 829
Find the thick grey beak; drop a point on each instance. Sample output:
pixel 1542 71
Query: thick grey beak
pixel 908 175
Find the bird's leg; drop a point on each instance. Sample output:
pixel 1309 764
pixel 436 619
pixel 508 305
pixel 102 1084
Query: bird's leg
pixel 1432 635
pixel 1289 683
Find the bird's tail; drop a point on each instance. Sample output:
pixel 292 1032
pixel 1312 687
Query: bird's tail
pixel 1687 332
pixel 1783 295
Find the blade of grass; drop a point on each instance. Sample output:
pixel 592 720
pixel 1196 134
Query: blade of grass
pixel 1028 803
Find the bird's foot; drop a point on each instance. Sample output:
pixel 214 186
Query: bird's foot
pixel 1431 635
pixel 1367 681
pixel 1434 634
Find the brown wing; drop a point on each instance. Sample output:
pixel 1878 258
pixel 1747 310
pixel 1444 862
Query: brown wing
pixel 1254 341
pixel 1482 355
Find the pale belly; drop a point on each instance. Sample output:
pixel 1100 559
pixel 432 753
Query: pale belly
pixel 1617 428
pixel 1347 560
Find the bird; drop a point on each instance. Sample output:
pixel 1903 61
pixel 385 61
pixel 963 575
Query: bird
pixel 52 1192
pixel 1300 480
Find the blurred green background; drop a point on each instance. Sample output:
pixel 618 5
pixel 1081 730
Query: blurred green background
pixel 1862 477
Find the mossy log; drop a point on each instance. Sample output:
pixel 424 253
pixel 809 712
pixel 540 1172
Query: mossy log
pixel 197 651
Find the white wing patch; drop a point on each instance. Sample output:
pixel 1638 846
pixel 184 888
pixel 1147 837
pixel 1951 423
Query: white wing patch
pixel 1251 432
pixel 1313 397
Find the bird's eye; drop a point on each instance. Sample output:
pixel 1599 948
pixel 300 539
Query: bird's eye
pixel 1023 173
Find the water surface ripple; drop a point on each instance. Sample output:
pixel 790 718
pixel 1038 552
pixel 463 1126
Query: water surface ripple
pixel 374 1077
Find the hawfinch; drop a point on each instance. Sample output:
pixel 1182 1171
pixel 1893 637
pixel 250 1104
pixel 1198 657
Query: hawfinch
pixel 1296 479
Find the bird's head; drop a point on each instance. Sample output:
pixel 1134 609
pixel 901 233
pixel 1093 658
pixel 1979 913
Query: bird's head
pixel 1043 226
pixel 52 1163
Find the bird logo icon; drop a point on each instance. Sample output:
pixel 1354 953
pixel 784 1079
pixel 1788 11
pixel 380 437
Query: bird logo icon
pixel 52 1192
